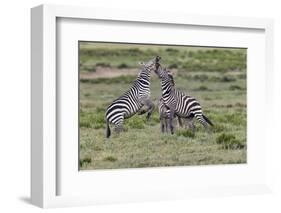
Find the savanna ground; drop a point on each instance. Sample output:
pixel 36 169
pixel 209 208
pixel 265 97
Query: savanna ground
pixel 215 76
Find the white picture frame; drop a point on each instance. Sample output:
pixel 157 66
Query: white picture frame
pixel 44 150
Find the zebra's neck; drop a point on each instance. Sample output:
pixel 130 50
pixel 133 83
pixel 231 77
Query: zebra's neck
pixel 167 88
pixel 144 76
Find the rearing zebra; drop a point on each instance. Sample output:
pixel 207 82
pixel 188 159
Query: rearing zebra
pixel 133 100
pixel 178 103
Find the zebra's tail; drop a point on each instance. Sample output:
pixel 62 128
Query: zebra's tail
pixel 108 132
pixel 207 120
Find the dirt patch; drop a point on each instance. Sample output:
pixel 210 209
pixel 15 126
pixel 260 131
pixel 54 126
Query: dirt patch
pixel 104 72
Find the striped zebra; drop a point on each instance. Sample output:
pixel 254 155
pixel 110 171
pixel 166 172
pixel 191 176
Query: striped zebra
pixel 164 112
pixel 179 103
pixel 164 115
pixel 133 100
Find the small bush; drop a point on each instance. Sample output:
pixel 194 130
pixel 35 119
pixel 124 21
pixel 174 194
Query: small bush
pixel 97 148
pixel 215 79
pixel 122 66
pixel 136 123
pixel 235 87
pixel 92 120
pixel 173 66
pixel 218 128
pixel 208 98
pixel 202 88
pixel 172 50
pixel 85 124
pixel 224 138
pixel 89 68
pixel 98 121
pixel 240 104
pixel 110 158
pixel 241 76
pixel 154 119
pixel 84 161
pixel 100 110
pixel 228 141
pixel 235 118
pixel 185 133
pixel 103 64
pixel 228 79
pixel 202 77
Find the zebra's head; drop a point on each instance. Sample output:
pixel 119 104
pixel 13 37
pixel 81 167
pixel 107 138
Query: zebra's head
pixel 165 75
pixel 161 72
pixel 152 64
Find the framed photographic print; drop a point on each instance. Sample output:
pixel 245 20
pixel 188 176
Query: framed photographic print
pixel 130 106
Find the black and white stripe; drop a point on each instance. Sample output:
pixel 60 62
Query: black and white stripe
pixel 164 111
pixel 164 115
pixel 178 103
pixel 133 100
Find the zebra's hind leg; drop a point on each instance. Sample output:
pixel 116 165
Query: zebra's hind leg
pixel 180 121
pixel 119 126
pixel 150 109
pixel 190 123
pixel 166 124
pixel 162 124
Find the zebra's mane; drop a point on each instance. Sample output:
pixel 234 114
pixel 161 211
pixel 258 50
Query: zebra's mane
pixel 168 77
pixel 144 73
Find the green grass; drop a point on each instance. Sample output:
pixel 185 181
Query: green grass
pixel 116 80
pixel 185 133
pixel 84 161
pixel 229 141
pixel 179 57
pixel 221 90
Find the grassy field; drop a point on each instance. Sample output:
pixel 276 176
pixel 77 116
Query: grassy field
pixel 215 76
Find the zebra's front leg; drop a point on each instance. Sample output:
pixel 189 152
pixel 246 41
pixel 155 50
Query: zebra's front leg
pixel 180 121
pixel 171 123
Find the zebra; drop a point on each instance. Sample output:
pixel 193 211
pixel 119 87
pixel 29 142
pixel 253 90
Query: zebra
pixel 180 104
pixel 164 112
pixel 133 100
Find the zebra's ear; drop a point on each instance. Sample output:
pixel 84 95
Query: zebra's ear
pixel 141 63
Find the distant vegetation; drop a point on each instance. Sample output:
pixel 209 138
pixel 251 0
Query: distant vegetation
pixel 215 76
pixel 210 60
